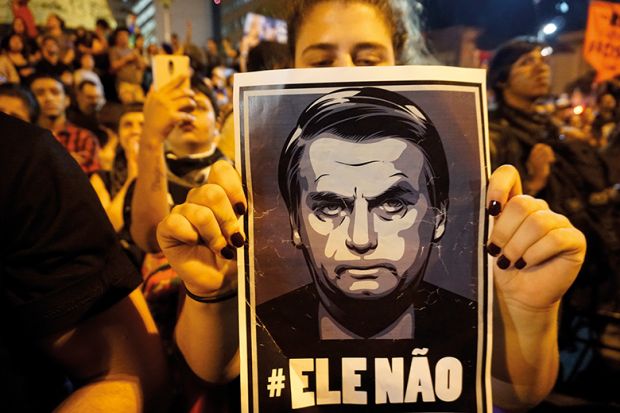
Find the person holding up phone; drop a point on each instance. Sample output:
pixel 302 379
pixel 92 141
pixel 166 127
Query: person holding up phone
pixel 178 145
pixel 128 67
pixel 177 148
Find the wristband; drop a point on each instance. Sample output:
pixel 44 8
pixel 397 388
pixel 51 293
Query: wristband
pixel 211 299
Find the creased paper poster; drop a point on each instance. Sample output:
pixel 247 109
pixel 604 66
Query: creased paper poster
pixel 365 286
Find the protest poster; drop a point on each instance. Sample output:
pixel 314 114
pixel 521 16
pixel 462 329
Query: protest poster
pixel 601 47
pixel 365 286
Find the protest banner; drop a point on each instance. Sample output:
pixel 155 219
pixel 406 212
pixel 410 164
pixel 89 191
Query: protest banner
pixel 602 40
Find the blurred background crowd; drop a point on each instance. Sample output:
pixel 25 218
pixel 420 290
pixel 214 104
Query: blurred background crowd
pixel 88 85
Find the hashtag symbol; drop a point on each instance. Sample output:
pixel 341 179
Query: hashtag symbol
pixel 276 382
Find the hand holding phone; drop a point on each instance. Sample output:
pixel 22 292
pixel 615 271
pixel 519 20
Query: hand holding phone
pixel 168 67
pixel 171 100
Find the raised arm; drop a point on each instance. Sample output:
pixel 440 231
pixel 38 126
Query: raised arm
pixel 163 110
pixel 199 239
pixel 538 255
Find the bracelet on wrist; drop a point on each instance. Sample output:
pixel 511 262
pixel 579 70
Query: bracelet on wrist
pixel 216 298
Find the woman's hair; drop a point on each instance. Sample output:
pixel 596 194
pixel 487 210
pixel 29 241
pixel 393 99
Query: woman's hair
pixel 268 56
pixel 407 41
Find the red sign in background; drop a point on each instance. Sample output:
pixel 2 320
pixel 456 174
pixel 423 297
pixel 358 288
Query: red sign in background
pixel 602 41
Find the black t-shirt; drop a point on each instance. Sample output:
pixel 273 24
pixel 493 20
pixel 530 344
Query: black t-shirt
pixel 48 68
pixel 288 328
pixel 60 262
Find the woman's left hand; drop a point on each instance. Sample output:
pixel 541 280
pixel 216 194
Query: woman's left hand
pixel 538 252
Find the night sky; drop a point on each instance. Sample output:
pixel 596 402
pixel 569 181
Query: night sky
pixel 504 19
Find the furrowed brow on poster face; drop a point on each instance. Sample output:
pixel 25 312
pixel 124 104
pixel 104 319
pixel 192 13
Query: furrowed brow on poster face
pixel 365 208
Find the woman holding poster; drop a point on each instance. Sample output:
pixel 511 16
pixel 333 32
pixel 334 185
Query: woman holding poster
pixel 538 252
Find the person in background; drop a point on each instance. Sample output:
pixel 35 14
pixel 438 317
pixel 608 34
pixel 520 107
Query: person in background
pixel 17 101
pixel 130 22
pixel 139 46
pixel 15 51
pixel 175 156
pixel 8 73
pixel 53 102
pixel 99 47
pixel 111 186
pixel 611 154
pixel 30 43
pixel 568 173
pixel 18 26
pixel 22 12
pixel 84 113
pixel 77 335
pixel 212 54
pixel 87 72
pixel 219 80
pixel 55 27
pixel 606 118
pixel 51 64
pixel 177 149
pixel 128 66
pixel 82 41
pixel 175 43
pixel 525 346
pixel 265 56
pixel 230 54
pixel 101 52
pixel 151 51
pixel 146 62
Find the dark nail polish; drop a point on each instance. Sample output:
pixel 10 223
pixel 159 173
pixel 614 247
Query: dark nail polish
pixel 503 262
pixel 494 208
pixel 237 239
pixel 240 208
pixel 228 253
pixel 493 249
pixel 520 264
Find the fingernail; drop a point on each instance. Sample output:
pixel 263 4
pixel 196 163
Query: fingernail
pixel 494 208
pixel 237 240
pixel 240 208
pixel 503 262
pixel 520 264
pixel 228 253
pixel 493 249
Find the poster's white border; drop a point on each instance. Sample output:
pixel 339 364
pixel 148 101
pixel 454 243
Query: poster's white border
pixel 360 74
pixel 273 82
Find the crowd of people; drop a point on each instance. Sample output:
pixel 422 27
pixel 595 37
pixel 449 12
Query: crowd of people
pixel 157 175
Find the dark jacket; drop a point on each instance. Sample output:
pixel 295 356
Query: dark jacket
pixel 577 176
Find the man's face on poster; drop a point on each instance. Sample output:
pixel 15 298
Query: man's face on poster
pixel 365 215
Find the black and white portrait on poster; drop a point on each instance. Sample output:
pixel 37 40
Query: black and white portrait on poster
pixel 364 286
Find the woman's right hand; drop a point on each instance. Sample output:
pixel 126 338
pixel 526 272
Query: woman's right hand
pixel 167 107
pixel 200 237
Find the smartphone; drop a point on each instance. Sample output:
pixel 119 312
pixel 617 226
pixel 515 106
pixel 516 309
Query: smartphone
pixel 167 67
